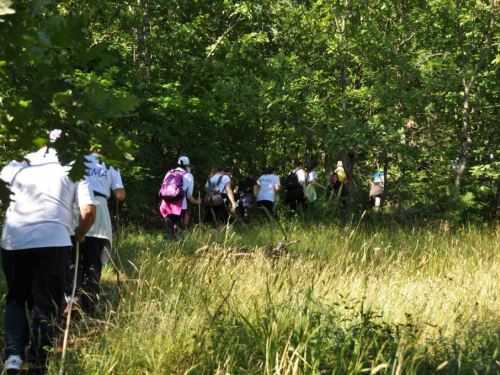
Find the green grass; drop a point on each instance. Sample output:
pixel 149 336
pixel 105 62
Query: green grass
pixel 341 301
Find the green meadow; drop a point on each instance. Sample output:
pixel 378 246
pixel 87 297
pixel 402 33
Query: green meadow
pixel 342 300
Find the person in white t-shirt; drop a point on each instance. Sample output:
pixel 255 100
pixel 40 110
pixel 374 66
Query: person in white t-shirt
pixel 220 214
pixel 102 180
pixel 36 246
pixel 296 188
pixel 269 189
pixel 175 213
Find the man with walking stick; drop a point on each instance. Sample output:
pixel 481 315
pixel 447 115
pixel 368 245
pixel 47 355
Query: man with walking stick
pixel 35 249
pixel 102 180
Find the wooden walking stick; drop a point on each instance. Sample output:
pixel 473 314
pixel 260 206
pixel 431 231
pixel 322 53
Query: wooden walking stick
pixel 68 319
pixel 199 209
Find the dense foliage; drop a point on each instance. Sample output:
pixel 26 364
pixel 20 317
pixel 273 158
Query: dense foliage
pixel 411 86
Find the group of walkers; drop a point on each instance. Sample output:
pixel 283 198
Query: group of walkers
pixel 48 215
pixel 221 200
pixel 224 203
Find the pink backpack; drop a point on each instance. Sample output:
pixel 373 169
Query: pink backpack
pixel 171 189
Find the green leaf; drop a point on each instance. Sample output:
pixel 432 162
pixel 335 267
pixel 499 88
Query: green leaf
pixel 5 8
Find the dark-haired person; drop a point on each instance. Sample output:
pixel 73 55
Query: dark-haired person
pixel 296 188
pixel 247 189
pixel 174 213
pixel 269 189
pixel 220 214
pixel 36 247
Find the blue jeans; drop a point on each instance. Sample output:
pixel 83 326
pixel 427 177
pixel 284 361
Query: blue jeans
pixel 36 279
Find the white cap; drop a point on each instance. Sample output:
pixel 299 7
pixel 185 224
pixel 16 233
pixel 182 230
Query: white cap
pixel 340 164
pixel 183 160
pixel 54 135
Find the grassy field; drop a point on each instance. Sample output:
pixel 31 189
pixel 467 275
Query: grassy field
pixel 341 301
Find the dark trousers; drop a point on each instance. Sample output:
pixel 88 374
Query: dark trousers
pixel 89 271
pixel 268 205
pixel 245 207
pixel 173 223
pixel 217 215
pixel 296 205
pixel 34 276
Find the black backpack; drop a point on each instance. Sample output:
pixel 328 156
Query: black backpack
pixel 292 181
pixel 214 196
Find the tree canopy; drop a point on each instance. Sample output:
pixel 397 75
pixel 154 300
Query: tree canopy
pixel 409 85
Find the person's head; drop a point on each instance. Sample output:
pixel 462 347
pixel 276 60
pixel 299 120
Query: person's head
pixel 248 173
pixel 183 162
pixel 219 168
pixel 269 170
pixel 228 171
pixel 312 165
pixel 340 165
pixel 298 164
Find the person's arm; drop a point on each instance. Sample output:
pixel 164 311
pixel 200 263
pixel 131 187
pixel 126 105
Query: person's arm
pixel 86 204
pixel 256 189
pixel 192 200
pixel 85 221
pixel 120 194
pixel 117 184
pixel 230 195
pixel 303 183
pixel 316 183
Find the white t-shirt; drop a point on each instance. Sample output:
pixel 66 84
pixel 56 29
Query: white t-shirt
pixel 313 175
pixel 41 212
pixel 101 178
pixel 301 174
pixel 187 185
pixel 222 185
pixel 267 182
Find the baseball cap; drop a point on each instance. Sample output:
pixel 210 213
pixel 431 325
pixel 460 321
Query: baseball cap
pixel 183 160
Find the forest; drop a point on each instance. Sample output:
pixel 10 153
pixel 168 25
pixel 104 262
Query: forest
pixel 405 86
pixel 409 88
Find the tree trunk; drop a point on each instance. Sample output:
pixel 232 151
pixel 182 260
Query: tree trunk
pixel 349 161
pixel 463 138
pixel 497 203
pixel 382 199
pixel 147 52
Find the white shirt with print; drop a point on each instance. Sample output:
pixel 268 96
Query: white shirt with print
pixel 268 183
pixel 101 178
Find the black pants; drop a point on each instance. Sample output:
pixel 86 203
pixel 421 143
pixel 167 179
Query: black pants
pixel 245 207
pixel 296 205
pixel 268 205
pixel 88 277
pixel 34 275
pixel 173 223
pixel 217 215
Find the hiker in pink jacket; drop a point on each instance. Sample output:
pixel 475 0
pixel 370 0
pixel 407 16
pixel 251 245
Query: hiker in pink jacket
pixel 176 190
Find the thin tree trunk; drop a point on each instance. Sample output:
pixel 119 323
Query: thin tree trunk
pixel 464 137
pixel 382 199
pixel 497 203
pixel 147 52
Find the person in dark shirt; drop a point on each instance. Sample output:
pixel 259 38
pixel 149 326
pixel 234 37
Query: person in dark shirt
pixel 247 189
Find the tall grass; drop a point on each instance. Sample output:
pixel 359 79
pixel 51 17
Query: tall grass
pixel 341 301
